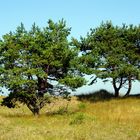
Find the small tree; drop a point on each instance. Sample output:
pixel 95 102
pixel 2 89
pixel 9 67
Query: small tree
pixel 30 60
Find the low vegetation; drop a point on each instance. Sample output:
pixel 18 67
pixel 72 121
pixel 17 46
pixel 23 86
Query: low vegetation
pixel 84 120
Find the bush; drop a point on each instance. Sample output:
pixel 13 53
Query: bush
pixel 81 106
pixel 78 119
pixel 101 95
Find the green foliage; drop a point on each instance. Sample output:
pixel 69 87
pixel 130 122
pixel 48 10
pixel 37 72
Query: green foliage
pixel 82 106
pixel 62 110
pixel 73 81
pixel 78 119
pixel 29 60
pixel 112 52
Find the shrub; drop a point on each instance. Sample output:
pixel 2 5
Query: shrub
pixel 78 119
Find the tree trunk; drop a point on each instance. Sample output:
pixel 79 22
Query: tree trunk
pixel 129 86
pixel 116 93
pixel 34 110
pixel 116 89
pixel 36 113
pixel 41 86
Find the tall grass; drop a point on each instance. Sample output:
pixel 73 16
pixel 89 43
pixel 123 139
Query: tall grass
pixel 114 119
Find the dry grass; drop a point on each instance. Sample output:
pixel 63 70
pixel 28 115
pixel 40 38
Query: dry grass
pixel 116 119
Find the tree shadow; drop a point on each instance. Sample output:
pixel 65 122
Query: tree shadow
pixel 16 115
pixel 101 95
pixel 135 96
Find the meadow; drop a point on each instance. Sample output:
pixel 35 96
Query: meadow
pixel 114 119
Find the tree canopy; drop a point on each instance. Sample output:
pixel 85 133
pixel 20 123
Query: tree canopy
pixel 30 60
pixel 112 52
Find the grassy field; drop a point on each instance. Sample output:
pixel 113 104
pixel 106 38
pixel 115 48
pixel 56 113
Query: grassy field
pixel 114 119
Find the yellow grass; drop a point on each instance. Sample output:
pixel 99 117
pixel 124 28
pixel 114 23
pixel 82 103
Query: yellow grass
pixel 116 119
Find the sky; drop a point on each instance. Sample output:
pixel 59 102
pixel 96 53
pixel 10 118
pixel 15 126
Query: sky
pixel 80 15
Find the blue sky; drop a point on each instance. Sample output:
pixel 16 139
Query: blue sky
pixel 81 15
